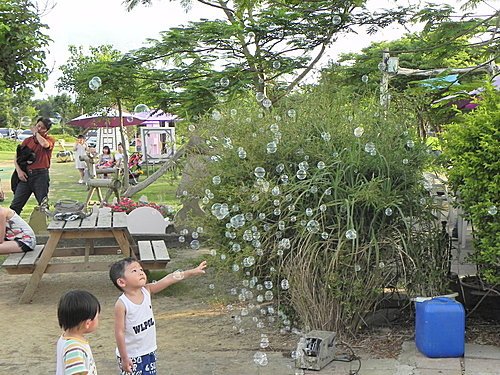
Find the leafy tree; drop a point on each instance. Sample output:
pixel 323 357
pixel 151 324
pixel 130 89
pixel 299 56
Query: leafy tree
pixel 60 108
pixel 472 144
pixel 445 42
pixel 266 46
pixel 22 46
pixel 119 82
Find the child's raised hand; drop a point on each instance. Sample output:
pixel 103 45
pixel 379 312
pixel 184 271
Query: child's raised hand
pixel 200 270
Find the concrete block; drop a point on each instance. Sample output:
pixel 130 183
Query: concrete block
pixel 481 366
pixel 482 351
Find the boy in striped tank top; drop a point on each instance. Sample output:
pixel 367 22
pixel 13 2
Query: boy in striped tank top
pixel 78 314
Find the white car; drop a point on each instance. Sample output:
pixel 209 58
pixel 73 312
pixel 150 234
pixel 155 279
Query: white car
pixel 92 141
pixel 24 134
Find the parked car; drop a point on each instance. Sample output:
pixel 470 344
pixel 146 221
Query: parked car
pixel 92 141
pixel 8 133
pixel 25 134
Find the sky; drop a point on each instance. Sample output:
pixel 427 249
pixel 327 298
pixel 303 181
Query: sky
pixel 96 22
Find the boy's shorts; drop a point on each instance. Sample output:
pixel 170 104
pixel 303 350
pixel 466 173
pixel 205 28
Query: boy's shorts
pixel 143 365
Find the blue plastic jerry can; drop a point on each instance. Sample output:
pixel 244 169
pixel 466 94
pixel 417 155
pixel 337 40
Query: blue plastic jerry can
pixel 440 328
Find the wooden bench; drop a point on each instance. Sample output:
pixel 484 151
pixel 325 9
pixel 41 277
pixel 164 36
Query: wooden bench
pixel 22 263
pixel 153 254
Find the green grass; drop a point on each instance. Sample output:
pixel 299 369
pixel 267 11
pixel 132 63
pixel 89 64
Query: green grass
pixel 63 184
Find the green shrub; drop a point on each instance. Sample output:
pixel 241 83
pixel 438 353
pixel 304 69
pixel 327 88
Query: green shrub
pixel 319 204
pixel 472 145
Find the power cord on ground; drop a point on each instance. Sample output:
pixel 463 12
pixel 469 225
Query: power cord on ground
pixel 349 357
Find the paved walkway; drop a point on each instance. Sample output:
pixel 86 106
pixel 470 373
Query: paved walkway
pixel 478 360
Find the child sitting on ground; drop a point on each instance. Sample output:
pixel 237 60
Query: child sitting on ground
pixel 135 329
pixel 78 314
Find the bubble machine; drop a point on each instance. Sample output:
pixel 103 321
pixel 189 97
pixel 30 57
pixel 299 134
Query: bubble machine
pixel 440 328
pixel 316 350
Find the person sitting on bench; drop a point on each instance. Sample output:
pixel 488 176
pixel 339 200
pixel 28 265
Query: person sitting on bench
pixel 16 235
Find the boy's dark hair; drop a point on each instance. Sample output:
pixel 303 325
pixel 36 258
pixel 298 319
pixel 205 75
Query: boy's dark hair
pixel 75 307
pixel 117 269
pixel 80 136
pixel 45 121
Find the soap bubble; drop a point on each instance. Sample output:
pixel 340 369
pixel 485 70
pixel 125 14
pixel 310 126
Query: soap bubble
pixel 291 113
pixel 216 115
pixel 276 64
pixel 301 174
pixel 351 234
pixel 163 86
pixel 405 161
pixel 25 121
pixel 267 103
pixel 285 284
pixel 238 221
pixel 191 128
pixel 271 147
pixel 364 78
pixel 312 226
pixel 410 143
pixel 251 35
pixel 369 147
pixel 492 210
pixel 326 136
pixel 15 110
pixel 216 180
pixel 56 119
pixel 259 96
pixel 381 66
pixel 321 165
pixel 178 274
pixel 264 342
pixel 140 108
pixel 336 19
pixel 388 211
pixel 242 154
pixel 259 172
pixel 224 82
pixel 195 244
pixel 260 359
pixel 358 132
pixel 95 83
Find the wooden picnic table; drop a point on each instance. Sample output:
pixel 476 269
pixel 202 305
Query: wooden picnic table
pixel 102 223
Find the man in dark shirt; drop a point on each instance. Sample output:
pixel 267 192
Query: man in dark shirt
pixel 36 180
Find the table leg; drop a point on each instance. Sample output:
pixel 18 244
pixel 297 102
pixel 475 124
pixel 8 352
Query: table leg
pixel 41 266
pixel 122 240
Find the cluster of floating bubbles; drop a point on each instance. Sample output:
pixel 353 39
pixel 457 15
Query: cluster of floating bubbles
pixel 247 233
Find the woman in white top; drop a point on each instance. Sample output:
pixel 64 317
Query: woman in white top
pixel 16 235
pixel 80 148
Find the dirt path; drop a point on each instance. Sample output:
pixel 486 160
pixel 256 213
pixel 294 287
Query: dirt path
pixel 193 337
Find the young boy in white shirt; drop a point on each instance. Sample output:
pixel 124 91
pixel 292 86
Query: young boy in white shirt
pixel 135 329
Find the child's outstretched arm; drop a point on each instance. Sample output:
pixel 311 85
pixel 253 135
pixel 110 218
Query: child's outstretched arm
pixel 175 277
